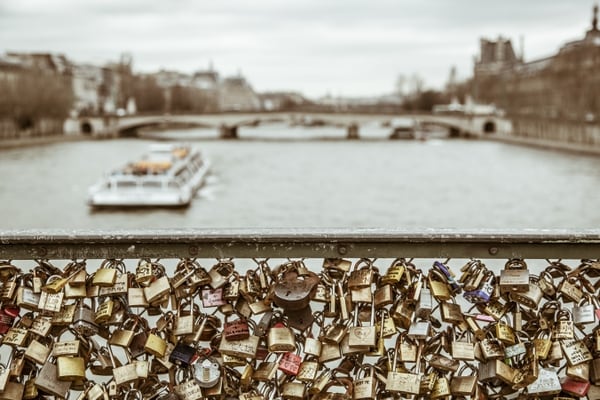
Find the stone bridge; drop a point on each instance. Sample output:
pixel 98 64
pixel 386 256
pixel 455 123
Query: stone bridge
pixel 226 125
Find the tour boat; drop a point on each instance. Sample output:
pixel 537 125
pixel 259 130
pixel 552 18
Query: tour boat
pixel 168 175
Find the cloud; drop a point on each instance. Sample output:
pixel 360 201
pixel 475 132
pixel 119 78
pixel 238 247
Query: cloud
pixel 347 46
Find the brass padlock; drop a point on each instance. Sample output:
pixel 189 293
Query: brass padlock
pixel 403 382
pixel 47 381
pixel 514 277
pixel 280 339
pixel 155 344
pixel 464 385
pixel 107 274
pixel 363 335
pixel 441 388
pixel 70 368
pixel 365 386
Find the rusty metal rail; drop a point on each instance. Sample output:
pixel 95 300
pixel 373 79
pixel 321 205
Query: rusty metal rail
pixel 62 244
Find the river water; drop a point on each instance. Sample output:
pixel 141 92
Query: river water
pixel 437 183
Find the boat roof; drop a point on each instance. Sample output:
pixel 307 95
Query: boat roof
pixel 161 160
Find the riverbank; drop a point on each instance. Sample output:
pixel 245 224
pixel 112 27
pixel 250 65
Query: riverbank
pixel 554 145
pixel 41 140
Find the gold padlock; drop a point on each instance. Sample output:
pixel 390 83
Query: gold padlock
pixel 70 368
pixel 155 345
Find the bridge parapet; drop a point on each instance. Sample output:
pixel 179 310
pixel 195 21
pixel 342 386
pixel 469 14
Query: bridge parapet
pixel 135 313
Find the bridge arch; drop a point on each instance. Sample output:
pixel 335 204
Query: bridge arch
pixel 489 126
pixel 86 127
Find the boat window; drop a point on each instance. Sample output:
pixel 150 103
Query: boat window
pixel 151 185
pixel 126 184
pixel 173 185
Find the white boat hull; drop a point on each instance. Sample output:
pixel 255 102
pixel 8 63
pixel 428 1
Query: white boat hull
pixel 101 196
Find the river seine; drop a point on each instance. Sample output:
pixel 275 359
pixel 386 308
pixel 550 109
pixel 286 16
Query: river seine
pixel 436 183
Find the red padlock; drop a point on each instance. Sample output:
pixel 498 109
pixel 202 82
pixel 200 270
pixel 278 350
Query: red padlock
pixel 236 330
pixel 7 317
pixel 574 387
pixel 290 362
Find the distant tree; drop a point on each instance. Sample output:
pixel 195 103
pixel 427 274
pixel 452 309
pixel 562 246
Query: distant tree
pixel 35 94
pixel 149 97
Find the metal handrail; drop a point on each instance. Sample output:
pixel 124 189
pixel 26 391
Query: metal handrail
pixel 317 243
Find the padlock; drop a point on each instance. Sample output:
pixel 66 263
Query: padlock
pixel 496 369
pixel 451 312
pixel 15 336
pixel 570 290
pixel 308 370
pixel 330 351
pixel 155 343
pixel 394 273
pixel 514 277
pixel 84 319
pixel 438 285
pixel 37 352
pixel 51 302
pixel 185 318
pixel 320 382
pixel 107 274
pixel 70 368
pixel 441 388
pixel 186 386
pixel 403 382
pixel 419 329
pixel 547 383
pixel 365 383
pixel 12 391
pixel 505 333
pixel 136 297
pixel 244 348
pixel 235 330
pixel 424 305
pixel 453 284
pixel 293 391
pixel 383 296
pixel 104 310
pixel 585 311
pixel 47 381
pixel 290 362
pixel 579 372
pixel 407 348
pixel 443 363
pixel 119 288
pixel 462 350
pixel 30 391
pixel 207 372
pixel 575 351
pixel 530 298
pixel 464 385
pixel 266 370
pixel 484 291
pixel 564 327
pixel 157 290
pixel 9 288
pixel 359 335
pixel 220 273
pixel 293 292
pixel 280 339
pixel 573 387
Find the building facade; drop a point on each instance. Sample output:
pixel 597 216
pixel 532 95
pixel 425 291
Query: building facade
pixel 564 86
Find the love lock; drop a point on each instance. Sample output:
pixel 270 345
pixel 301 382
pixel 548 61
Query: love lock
pixel 293 293
pixel 207 373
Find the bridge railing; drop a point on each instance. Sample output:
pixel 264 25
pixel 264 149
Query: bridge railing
pixel 160 290
pixel 242 243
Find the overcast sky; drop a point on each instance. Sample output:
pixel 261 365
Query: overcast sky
pixel 342 47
